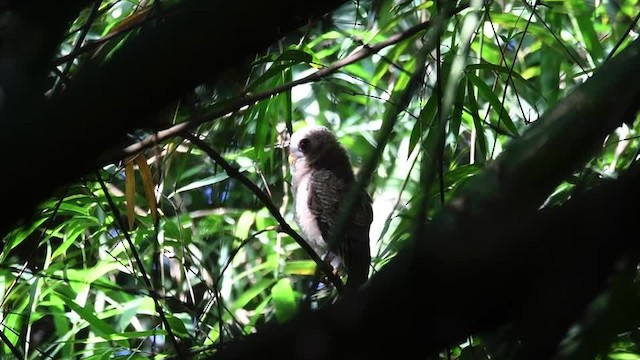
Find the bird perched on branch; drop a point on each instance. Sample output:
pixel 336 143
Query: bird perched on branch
pixel 323 182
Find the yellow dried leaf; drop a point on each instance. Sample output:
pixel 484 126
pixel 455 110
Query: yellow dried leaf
pixel 147 181
pixel 130 192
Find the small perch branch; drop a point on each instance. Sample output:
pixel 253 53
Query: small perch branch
pixel 266 201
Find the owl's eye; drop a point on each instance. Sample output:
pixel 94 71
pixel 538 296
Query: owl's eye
pixel 304 145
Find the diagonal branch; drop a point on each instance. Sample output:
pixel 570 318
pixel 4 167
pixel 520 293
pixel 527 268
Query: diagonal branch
pixel 81 37
pixel 90 46
pixel 237 104
pixel 542 264
pixel 143 272
pixel 266 201
pixel 109 98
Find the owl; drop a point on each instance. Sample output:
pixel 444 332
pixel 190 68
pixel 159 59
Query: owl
pixel 322 178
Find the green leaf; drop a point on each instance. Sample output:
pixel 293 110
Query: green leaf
pixel 296 55
pixel 504 70
pixel 284 62
pixel 146 333
pixel 481 139
pixel 243 226
pixel 542 34
pixel 458 108
pixel 624 356
pixel 425 123
pixel 17 236
pixel 177 326
pixel 253 292
pixel 299 267
pixel 74 230
pixel 550 61
pixel 100 327
pixel 221 176
pixel 487 93
pixel 72 209
pixel 263 127
pixel 588 33
pixel 284 299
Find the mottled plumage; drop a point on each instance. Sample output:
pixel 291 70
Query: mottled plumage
pixel 322 177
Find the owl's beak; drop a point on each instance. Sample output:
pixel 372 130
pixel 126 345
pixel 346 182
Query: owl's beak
pixel 292 159
pixel 294 154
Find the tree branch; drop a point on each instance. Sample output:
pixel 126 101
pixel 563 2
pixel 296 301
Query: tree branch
pixel 119 94
pixel 367 50
pixel 145 278
pixel 266 201
pixel 533 252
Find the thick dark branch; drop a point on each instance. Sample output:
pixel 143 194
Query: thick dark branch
pixel 537 267
pixel 106 99
pixel 492 240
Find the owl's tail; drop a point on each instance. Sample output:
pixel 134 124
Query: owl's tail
pixel 359 262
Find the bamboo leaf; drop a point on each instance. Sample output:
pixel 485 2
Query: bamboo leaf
pixel 425 123
pixel 17 236
pixel 147 181
pixel 497 106
pixel 299 267
pixel 284 298
pixel 73 231
pixel 584 20
pixel 481 139
pixel 221 176
pixel 86 312
pixel 253 292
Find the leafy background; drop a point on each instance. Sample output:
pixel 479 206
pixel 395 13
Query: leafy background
pixel 167 250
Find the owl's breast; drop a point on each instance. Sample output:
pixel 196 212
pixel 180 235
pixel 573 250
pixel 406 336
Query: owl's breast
pixel 306 220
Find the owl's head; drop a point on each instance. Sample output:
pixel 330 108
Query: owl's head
pixel 311 144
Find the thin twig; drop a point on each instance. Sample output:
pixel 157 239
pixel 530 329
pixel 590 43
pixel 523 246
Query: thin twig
pixel 386 131
pixel 83 34
pixel 503 57
pixel 266 201
pixel 143 272
pixel 510 74
pixel 235 105
pixel 94 44
pixel 217 297
pixel 621 40
pixel 14 350
pixel 558 40
pixel 439 116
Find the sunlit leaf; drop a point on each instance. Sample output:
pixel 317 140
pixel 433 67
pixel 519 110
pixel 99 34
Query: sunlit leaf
pixel 585 23
pixel 74 230
pixel 477 123
pixel 624 356
pixel 425 123
pixel 101 327
pixel 284 299
pixel 17 236
pixel 147 181
pixel 177 326
pixel 299 267
pixel 253 292
pixel 221 176
pixel 495 103
pixel 244 224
